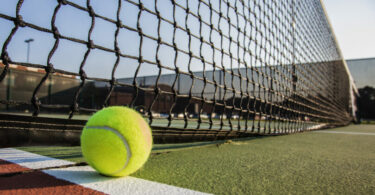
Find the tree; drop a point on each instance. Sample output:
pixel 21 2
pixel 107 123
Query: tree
pixel 366 102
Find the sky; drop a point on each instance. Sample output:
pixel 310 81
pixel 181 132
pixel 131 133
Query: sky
pixel 75 23
pixel 353 22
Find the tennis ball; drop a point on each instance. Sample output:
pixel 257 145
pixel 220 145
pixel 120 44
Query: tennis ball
pixel 116 141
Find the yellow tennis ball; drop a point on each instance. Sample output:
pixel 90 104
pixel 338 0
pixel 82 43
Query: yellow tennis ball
pixel 116 141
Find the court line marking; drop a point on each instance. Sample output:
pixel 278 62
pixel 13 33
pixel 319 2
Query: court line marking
pixel 345 132
pixel 88 177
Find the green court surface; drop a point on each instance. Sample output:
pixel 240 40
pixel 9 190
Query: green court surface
pixel 364 128
pixel 309 162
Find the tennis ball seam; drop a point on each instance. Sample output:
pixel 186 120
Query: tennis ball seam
pixel 122 138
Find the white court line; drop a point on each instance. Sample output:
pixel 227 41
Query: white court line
pixel 345 132
pixel 30 160
pixel 88 177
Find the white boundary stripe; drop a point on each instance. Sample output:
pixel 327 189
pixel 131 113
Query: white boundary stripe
pixel 88 177
pixel 85 176
pixel 344 132
pixel 30 160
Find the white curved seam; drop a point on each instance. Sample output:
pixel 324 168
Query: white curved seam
pixel 128 152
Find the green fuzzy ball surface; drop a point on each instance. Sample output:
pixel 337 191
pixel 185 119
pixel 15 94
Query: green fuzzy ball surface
pixel 116 141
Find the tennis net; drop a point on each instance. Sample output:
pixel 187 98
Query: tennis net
pixel 197 69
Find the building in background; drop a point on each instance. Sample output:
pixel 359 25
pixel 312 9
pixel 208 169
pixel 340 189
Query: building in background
pixel 233 93
pixel 19 84
pixel 363 71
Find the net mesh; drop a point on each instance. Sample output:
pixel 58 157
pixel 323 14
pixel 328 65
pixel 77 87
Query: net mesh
pixel 197 69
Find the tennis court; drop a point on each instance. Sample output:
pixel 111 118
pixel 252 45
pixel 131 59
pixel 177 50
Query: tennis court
pixel 241 97
pixel 311 162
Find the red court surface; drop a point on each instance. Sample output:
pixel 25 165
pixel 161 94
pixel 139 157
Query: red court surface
pixel 36 182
